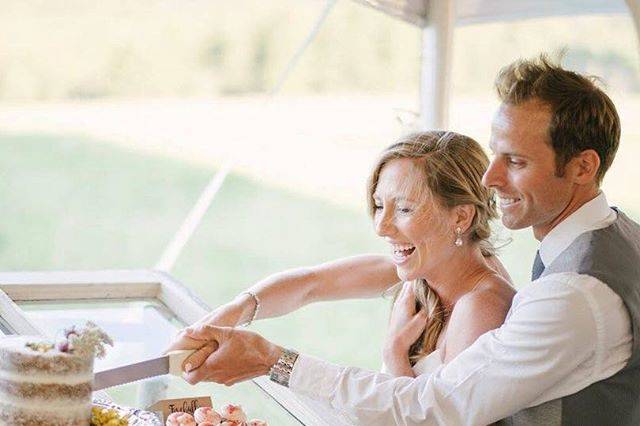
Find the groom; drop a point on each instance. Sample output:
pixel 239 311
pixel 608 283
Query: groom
pixel 569 350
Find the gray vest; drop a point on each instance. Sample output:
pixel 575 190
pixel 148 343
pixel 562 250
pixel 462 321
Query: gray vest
pixel 612 255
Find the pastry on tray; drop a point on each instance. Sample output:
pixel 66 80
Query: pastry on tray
pixel 106 411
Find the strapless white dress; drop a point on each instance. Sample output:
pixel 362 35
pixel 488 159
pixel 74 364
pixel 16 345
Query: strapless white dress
pixel 425 365
pixel 429 363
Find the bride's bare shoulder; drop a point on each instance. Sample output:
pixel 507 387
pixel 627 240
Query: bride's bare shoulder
pixel 478 311
pixel 493 293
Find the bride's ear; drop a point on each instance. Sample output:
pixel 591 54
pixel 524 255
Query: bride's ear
pixel 463 216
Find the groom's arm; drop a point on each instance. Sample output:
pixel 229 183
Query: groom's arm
pixel 544 351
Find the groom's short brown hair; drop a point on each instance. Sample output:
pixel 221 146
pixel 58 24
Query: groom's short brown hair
pixel 583 116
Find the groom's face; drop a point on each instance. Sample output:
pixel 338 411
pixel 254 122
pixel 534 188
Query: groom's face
pixel 523 168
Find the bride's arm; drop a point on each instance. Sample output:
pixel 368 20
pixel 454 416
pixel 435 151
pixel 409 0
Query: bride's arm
pixel 353 277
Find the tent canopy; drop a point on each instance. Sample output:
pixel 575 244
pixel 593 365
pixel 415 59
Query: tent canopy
pixel 418 12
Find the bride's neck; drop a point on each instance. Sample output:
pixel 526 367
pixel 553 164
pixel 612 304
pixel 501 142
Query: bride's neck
pixel 459 275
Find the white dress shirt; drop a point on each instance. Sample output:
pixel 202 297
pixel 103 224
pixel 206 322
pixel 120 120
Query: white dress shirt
pixel 563 332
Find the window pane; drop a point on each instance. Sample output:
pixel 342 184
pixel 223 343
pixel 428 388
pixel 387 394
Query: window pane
pixel 5 328
pixel 140 329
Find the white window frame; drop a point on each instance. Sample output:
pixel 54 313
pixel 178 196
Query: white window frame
pixel 94 285
pixel 57 286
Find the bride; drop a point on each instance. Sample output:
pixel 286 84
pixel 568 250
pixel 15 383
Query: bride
pixel 427 201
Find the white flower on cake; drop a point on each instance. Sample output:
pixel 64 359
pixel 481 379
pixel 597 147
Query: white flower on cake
pixel 180 419
pixel 88 341
pixel 207 415
pixel 233 413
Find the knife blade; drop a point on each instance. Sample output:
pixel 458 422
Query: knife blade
pixel 171 363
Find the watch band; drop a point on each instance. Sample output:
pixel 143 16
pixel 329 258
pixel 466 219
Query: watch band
pixel 281 371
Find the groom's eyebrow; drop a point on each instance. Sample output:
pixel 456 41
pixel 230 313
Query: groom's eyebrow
pixel 506 154
pixel 515 154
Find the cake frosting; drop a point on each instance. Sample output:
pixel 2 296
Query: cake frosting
pixel 43 383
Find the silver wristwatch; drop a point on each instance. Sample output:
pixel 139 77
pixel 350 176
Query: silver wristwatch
pixel 281 371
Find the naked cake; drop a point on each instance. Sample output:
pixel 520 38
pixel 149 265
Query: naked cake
pixel 46 383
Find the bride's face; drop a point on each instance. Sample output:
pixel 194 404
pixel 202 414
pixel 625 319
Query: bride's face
pixel 419 230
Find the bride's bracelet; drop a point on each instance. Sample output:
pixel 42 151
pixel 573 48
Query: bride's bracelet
pixel 255 310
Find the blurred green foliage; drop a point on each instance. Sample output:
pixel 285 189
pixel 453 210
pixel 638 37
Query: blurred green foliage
pixel 76 49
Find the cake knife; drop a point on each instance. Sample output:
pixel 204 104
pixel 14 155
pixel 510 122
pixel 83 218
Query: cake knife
pixel 171 363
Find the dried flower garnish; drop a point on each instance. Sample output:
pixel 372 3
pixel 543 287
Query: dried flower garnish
pixel 70 331
pixel 88 341
pixel 39 346
pixel 63 346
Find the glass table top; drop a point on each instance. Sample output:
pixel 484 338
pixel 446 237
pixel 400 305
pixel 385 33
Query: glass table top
pixel 5 328
pixel 142 329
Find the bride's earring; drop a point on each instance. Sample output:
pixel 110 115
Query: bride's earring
pixel 458 242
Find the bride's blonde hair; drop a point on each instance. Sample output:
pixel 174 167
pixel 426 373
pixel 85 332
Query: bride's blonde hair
pixel 452 166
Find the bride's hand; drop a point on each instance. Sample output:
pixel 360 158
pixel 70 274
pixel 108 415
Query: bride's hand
pixel 405 327
pixel 228 315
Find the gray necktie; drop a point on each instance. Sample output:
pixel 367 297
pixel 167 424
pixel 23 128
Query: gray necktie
pixel 538 267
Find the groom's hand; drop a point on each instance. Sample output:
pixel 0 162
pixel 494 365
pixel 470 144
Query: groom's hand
pixel 228 315
pixel 228 355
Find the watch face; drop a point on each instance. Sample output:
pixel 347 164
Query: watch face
pixel 281 370
pixel 280 377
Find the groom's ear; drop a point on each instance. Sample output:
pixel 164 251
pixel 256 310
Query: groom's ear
pixel 584 167
pixel 463 216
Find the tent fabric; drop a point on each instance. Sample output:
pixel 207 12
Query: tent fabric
pixel 479 11
pixel 412 11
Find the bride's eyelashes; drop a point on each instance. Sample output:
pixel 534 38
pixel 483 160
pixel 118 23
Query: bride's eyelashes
pixel 404 210
pixel 400 209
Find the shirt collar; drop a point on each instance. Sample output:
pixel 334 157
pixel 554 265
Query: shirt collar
pixel 594 214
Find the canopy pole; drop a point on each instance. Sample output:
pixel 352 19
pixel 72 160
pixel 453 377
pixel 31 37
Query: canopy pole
pixel 634 9
pixel 192 221
pixel 194 218
pixel 435 73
